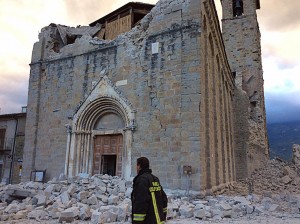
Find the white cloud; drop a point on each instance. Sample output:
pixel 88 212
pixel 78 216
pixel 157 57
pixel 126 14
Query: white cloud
pixel 281 79
pixel 282 45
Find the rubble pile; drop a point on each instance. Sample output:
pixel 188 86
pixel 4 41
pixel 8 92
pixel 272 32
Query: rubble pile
pixel 106 199
pixel 276 176
pixel 233 207
pixel 100 199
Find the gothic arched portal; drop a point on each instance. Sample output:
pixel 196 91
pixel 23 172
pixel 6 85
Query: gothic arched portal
pixel 100 140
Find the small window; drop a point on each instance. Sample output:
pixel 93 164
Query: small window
pixel 24 109
pixel 237 8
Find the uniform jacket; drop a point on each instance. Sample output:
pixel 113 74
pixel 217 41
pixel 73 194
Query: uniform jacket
pixel 149 201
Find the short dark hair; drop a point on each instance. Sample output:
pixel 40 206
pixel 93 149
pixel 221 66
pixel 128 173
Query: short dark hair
pixel 143 162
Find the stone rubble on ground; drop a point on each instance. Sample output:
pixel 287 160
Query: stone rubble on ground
pixel 106 199
pixel 276 176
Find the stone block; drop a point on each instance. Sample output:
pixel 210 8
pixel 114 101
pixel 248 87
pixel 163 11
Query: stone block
pixel 217 218
pixel 123 213
pixel 4 217
pixel 54 213
pixel 249 209
pixel 66 216
pixel 266 203
pixel 274 208
pixel 186 210
pixel 199 206
pixel 171 213
pixel 12 208
pixel 286 179
pixel 72 189
pixel 103 198
pixel 82 195
pixel 95 218
pixel 122 186
pixel 20 214
pixel 200 213
pixel 103 189
pixel 258 210
pixel 38 215
pixel 225 206
pixel 41 200
pixel 65 198
pixel 113 200
pixel 22 193
pixel 85 213
pixel 108 217
pixel 3 205
pixel 92 200
pixel 216 211
pixel 91 186
pixel 241 200
pixel 49 188
pixel 57 187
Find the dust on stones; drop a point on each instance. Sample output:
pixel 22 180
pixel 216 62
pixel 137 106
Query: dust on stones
pixel 106 199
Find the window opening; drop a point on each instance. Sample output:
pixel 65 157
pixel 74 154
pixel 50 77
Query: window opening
pixel 238 8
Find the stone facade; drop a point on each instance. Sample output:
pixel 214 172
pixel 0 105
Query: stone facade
pixel 12 138
pixel 217 86
pixel 168 84
pixel 242 43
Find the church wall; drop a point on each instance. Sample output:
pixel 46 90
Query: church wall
pixel 173 71
pixel 163 87
pixel 216 92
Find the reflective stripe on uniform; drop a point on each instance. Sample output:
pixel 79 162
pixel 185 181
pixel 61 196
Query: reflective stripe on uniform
pixel 165 209
pixel 139 217
pixel 155 208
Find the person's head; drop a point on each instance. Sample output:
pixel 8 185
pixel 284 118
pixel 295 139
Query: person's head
pixel 142 163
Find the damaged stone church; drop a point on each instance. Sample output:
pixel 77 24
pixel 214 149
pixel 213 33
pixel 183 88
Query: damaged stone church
pixel 161 81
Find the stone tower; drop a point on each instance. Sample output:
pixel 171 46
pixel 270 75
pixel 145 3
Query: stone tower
pixel 241 36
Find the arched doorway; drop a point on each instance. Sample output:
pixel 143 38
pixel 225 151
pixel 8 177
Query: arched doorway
pixel 100 137
pixel 108 149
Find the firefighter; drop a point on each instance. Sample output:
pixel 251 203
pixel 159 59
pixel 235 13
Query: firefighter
pixel 149 201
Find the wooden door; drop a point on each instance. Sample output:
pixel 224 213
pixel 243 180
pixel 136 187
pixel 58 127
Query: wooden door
pixel 105 147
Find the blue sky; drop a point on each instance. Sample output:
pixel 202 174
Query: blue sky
pixel 21 21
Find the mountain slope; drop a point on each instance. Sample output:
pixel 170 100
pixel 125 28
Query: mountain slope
pixel 282 136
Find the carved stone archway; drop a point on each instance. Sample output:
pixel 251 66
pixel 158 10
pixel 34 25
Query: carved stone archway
pixel 104 98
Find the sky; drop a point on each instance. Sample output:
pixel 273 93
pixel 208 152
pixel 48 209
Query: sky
pixel 22 20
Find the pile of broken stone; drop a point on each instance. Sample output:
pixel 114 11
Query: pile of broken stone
pixel 106 199
pixel 277 176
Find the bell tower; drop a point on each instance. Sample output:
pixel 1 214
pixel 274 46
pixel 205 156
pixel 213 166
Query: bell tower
pixel 241 37
pixel 241 34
